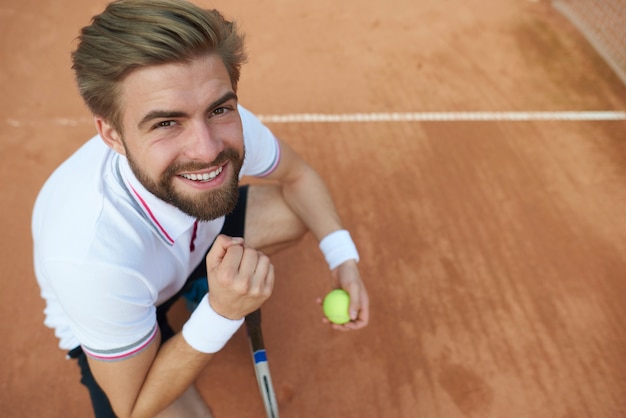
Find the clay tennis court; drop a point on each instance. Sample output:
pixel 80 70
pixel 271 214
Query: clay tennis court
pixel 494 251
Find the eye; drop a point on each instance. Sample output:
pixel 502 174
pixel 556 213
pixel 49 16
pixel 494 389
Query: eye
pixel 165 124
pixel 219 111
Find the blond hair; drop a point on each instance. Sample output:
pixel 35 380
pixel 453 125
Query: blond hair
pixel 131 34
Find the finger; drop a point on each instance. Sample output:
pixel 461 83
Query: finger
pixel 219 249
pixel 344 327
pixel 355 300
pixel 259 267
pixel 253 272
pixel 268 283
pixel 364 312
pixel 227 271
pixel 264 275
pixel 359 311
pixel 249 260
pixel 352 325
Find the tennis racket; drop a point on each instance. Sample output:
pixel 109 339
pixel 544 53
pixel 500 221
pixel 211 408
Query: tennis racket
pixel 261 368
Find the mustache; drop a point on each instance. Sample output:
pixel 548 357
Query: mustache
pixel 229 154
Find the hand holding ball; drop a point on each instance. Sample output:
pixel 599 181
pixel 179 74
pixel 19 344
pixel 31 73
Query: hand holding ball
pixel 335 306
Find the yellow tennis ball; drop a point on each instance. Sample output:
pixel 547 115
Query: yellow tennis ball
pixel 335 306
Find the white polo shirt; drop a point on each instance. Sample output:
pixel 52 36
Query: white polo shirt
pixel 107 251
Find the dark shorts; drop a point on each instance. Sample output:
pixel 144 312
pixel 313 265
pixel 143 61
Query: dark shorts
pixel 234 227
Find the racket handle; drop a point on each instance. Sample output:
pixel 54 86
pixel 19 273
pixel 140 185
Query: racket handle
pixel 261 367
pixel 253 326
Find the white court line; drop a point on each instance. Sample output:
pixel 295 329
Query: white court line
pixel 601 115
pixel 72 122
pixel 445 117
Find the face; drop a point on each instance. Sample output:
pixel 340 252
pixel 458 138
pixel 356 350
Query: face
pixel 182 134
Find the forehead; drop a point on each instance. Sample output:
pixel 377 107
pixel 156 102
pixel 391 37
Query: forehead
pixel 181 86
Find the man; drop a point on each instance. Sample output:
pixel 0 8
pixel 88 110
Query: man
pixel 153 202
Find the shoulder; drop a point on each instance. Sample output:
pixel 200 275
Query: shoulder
pixel 253 128
pixel 262 147
pixel 72 195
pixel 83 213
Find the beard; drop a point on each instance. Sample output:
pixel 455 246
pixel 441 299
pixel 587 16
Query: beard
pixel 204 206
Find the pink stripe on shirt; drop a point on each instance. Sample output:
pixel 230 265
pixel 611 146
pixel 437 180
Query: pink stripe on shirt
pixel 154 220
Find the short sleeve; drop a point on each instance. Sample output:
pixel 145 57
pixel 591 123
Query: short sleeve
pixel 262 147
pixel 111 311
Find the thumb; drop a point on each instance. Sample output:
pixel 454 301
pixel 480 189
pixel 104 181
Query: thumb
pixel 355 301
pixel 219 248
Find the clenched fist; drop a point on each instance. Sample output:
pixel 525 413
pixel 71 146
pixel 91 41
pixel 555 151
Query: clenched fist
pixel 240 278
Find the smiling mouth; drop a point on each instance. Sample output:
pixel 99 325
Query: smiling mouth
pixel 203 177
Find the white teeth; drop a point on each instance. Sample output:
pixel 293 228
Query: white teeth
pixel 203 177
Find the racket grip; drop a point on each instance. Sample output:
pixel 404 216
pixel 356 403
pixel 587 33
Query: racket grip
pixel 253 326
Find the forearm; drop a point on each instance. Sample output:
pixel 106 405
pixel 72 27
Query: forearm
pixel 144 384
pixel 180 359
pixel 306 194
pixel 175 368
pixel 148 382
pixel 310 199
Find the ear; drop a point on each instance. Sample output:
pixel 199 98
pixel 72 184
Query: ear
pixel 109 135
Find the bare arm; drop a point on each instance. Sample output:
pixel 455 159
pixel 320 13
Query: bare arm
pixel 307 195
pixel 147 383
pixel 240 279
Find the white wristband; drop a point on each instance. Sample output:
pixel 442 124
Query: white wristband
pixel 206 330
pixel 338 247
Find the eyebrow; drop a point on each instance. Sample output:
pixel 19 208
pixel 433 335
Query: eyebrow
pixel 169 114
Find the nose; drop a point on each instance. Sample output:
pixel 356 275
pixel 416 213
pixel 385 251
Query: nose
pixel 203 142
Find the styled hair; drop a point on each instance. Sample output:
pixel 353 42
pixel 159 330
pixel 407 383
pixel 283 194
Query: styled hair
pixel 130 34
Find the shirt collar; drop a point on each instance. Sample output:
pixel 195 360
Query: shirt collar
pixel 168 221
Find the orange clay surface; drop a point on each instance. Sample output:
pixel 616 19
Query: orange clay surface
pixel 494 252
